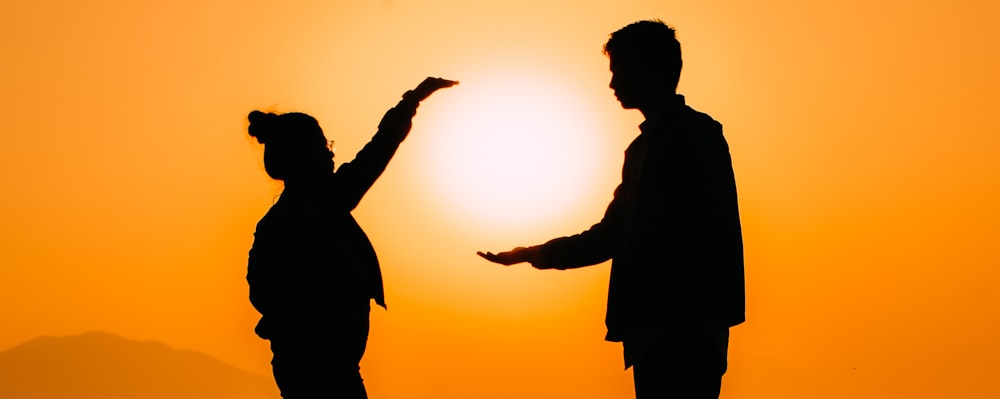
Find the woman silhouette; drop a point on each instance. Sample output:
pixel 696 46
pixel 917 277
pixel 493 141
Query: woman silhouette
pixel 312 271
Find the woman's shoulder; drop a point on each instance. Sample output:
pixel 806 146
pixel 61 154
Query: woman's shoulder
pixel 275 218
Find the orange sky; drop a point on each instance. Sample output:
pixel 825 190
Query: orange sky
pixel 861 134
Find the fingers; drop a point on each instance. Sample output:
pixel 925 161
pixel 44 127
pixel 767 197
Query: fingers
pixel 437 83
pixel 442 82
pixel 428 87
pixel 492 257
pixel 496 258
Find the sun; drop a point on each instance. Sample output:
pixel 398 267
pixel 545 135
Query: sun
pixel 512 149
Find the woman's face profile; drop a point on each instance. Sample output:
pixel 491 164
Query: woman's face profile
pixel 313 160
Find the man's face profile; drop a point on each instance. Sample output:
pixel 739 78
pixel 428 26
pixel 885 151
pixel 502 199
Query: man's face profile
pixel 630 83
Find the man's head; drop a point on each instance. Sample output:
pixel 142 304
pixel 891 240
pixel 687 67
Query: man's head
pixel 645 63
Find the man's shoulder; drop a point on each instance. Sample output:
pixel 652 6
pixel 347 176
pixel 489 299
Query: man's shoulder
pixel 681 118
pixel 696 119
pixel 698 131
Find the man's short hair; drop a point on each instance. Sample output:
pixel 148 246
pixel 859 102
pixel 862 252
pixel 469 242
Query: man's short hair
pixel 649 43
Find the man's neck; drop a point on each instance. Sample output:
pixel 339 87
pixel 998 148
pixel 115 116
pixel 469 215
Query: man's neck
pixel 660 104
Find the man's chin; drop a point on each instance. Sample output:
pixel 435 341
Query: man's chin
pixel 626 105
pixel 624 102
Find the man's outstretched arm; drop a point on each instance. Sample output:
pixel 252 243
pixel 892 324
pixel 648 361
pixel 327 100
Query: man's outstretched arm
pixel 590 247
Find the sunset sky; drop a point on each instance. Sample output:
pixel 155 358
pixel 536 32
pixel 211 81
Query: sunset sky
pixel 863 136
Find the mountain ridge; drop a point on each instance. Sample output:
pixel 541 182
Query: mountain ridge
pixel 103 365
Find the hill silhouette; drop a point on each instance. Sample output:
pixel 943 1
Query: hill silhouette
pixel 103 365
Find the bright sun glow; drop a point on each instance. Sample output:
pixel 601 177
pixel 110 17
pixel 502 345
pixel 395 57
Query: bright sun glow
pixel 512 148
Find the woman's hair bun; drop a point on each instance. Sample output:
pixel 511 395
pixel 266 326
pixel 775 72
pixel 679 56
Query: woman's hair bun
pixel 261 126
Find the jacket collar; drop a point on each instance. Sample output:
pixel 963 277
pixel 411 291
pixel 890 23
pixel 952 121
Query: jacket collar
pixel 664 115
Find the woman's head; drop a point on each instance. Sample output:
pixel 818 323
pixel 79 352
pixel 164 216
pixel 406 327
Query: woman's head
pixel 294 145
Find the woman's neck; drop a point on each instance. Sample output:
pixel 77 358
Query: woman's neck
pixel 305 185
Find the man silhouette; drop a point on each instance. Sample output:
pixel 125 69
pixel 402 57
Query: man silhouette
pixel 672 230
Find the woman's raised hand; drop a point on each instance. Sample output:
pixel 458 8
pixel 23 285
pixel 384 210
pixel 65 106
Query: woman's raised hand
pixel 428 87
